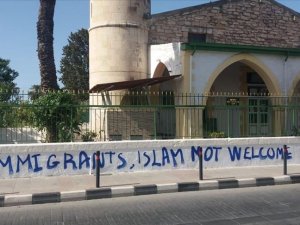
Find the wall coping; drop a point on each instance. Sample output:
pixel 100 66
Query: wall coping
pixel 240 48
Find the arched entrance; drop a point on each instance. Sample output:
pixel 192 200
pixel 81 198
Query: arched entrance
pixel 239 102
pixel 264 72
pixel 161 70
pixel 162 95
pixel 295 89
pixel 293 109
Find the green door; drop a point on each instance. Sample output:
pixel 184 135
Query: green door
pixel 259 118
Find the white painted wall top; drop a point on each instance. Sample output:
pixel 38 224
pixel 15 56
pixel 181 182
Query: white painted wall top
pixel 168 54
pixel 132 156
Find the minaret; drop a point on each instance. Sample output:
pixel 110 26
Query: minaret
pixel 118 40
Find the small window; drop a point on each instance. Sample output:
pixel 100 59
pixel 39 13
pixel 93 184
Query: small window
pixel 196 38
pixel 115 137
pixel 136 137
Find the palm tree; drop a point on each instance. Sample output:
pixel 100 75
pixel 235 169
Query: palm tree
pixel 45 26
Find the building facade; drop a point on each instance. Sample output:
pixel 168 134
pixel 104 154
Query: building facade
pixel 250 48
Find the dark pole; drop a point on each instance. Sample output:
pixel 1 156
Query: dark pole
pixel 200 154
pixel 285 153
pixel 97 169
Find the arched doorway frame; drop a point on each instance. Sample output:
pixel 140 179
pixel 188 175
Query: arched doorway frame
pixel 266 74
pixel 295 83
pixel 165 116
pixel 259 67
pixel 160 69
pixel 293 113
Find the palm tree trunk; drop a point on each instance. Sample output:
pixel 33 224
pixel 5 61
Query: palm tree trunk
pixel 45 26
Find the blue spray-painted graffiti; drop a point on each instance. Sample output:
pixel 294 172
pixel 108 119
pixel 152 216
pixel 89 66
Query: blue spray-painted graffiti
pixel 239 153
pixel 249 153
pixel 156 158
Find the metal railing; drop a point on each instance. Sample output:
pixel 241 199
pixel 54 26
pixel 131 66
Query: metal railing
pixel 158 115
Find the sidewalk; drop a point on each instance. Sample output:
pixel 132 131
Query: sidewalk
pixel 52 189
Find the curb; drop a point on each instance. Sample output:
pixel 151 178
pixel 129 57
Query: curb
pixel 137 190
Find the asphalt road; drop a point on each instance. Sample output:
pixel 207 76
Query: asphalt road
pixel 263 205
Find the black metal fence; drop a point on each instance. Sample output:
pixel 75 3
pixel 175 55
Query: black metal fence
pixel 144 115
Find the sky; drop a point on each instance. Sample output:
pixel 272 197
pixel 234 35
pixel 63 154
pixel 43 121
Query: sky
pixel 18 39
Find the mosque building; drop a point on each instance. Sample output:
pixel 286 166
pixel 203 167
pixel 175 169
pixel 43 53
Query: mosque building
pixel 249 47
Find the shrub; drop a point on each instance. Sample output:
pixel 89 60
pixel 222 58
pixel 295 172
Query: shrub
pixel 58 114
pixel 217 134
pixel 88 136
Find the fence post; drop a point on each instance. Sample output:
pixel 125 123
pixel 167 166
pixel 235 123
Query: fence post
pixel 200 154
pixel 72 124
pixel 285 153
pixel 97 169
pixel 228 123
pixel 154 123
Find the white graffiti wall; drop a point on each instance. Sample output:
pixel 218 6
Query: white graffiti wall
pixel 132 156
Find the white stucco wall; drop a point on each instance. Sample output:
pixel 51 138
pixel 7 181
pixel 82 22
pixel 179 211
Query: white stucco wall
pixel 285 71
pixel 293 69
pixel 168 54
pixel 131 156
pixel 204 63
